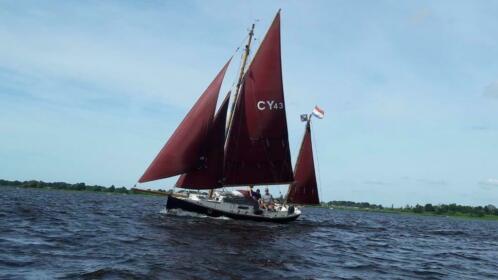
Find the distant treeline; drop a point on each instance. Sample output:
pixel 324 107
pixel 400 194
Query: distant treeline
pixel 66 186
pixel 441 209
pixel 362 205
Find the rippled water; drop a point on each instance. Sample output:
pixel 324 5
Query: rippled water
pixel 59 234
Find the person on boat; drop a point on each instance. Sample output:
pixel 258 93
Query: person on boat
pixel 252 193
pixel 258 195
pixel 267 200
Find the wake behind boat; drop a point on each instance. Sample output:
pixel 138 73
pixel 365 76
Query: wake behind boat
pixel 251 150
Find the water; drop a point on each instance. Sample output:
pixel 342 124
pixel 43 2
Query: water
pixel 46 234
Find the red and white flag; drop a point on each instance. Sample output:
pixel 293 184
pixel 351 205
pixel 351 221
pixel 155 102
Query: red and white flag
pixel 319 113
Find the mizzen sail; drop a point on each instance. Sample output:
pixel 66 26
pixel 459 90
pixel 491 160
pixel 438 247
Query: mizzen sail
pixel 186 148
pixel 208 174
pixel 257 148
pixel 304 189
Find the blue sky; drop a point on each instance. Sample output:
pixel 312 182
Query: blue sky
pixel 91 90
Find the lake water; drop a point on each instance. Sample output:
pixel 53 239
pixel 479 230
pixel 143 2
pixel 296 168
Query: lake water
pixel 46 234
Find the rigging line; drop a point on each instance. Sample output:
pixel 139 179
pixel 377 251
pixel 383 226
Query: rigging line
pixel 315 155
pixel 241 44
pixel 236 78
pixel 239 47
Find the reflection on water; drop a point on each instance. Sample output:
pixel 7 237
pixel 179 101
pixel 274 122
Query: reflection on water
pixel 47 234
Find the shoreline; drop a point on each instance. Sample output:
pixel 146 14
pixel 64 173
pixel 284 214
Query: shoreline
pixel 402 212
pixel 78 187
pixel 443 210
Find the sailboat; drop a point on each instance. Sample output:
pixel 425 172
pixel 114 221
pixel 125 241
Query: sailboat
pixel 250 147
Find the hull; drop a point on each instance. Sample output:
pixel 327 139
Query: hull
pixel 216 211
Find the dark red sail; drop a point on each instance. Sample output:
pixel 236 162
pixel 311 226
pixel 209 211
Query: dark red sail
pixel 185 147
pixel 208 175
pixel 304 189
pixel 257 149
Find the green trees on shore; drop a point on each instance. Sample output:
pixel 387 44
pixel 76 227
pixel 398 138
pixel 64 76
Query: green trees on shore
pixel 352 204
pixel 441 209
pixel 64 186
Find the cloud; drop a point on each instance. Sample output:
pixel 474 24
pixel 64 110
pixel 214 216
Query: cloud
pixel 480 127
pixel 421 16
pixel 432 182
pixel 62 50
pixel 489 182
pixel 491 90
pixel 425 181
pixel 376 182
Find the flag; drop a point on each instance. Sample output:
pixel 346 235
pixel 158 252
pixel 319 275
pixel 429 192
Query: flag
pixel 317 112
pixel 304 118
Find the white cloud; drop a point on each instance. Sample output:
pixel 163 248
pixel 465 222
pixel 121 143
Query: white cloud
pixel 421 16
pixel 491 90
pixel 432 182
pixel 489 182
pixel 135 58
pixel 376 182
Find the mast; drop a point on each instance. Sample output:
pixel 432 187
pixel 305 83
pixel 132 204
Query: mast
pixel 245 56
pixel 257 147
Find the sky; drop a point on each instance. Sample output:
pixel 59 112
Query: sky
pixel 91 90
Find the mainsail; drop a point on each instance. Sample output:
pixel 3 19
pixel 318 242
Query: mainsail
pixel 257 148
pixel 304 189
pixel 186 148
pixel 208 175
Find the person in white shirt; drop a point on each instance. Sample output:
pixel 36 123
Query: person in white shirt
pixel 267 199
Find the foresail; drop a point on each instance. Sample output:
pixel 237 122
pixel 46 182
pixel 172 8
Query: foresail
pixel 208 174
pixel 185 148
pixel 257 148
pixel 304 189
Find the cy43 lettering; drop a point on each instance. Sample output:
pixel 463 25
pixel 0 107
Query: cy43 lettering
pixel 269 105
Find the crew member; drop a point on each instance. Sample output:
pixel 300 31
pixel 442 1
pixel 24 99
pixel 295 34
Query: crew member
pixel 267 200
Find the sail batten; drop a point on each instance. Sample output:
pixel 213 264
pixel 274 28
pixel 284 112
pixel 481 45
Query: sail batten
pixel 257 148
pixel 304 189
pixel 184 150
